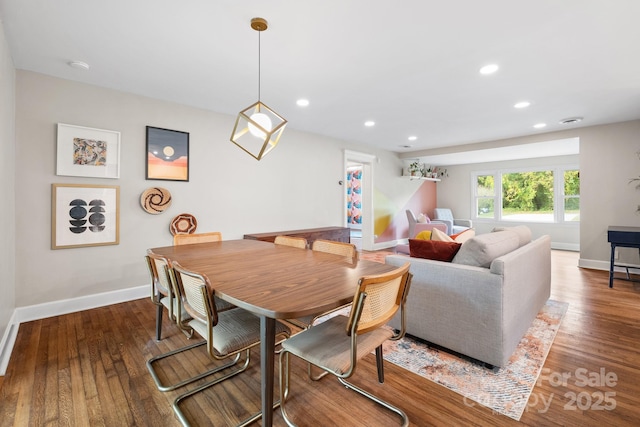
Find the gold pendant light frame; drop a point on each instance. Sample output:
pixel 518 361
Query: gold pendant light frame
pixel 254 136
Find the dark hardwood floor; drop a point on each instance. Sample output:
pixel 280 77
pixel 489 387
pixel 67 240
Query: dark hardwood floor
pixel 88 369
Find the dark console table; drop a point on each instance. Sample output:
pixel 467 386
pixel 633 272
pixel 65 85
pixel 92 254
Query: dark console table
pixel 627 237
pixel 338 234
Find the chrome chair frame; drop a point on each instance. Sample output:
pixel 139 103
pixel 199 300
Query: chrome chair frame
pixel 202 308
pixel 353 330
pixel 162 285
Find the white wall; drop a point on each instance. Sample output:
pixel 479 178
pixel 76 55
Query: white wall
pixel 7 191
pixel 296 186
pixel 608 159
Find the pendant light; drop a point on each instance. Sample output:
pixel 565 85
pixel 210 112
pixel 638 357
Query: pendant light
pixel 258 128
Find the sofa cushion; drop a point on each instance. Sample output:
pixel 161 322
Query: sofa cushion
pixel 523 232
pixel 484 248
pixel 433 249
pixel 440 236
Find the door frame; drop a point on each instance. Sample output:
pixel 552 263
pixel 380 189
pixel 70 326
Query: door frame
pixel 367 161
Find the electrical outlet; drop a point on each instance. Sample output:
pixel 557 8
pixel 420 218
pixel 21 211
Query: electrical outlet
pixel 616 254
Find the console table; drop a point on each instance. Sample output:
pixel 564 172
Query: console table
pixel 627 237
pixel 338 234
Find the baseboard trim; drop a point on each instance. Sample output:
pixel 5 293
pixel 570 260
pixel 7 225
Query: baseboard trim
pixel 574 247
pixel 385 245
pixel 57 308
pixel 6 345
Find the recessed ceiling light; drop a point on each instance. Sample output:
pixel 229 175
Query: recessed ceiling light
pixel 570 120
pixel 302 102
pixel 412 138
pixel 489 69
pixel 540 125
pixel 369 123
pixel 79 65
pixel 522 104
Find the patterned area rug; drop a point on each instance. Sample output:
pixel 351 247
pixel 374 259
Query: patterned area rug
pixel 504 390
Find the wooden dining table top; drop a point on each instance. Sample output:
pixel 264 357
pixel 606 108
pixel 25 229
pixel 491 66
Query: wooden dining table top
pixel 275 281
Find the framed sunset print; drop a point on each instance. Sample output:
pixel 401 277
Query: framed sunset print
pixel 88 152
pixel 167 154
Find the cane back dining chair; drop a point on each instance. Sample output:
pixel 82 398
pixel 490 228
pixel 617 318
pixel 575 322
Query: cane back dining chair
pixel 296 242
pixel 347 250
pixel 337 344
pixel 228 333
pixel 189 239
pixel 193 238
pixel 163 292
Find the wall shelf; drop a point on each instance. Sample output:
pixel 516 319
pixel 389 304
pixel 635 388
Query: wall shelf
pixel 424 178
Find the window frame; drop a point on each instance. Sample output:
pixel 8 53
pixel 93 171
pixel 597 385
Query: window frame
pixel 558 193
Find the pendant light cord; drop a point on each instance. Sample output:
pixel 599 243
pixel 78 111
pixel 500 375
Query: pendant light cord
pixel 259 76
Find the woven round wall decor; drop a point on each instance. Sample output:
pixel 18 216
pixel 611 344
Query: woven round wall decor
pixel 155 200
pixel 183 224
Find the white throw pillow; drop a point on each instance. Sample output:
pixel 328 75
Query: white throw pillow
pixel 423 219
pixel 441 236
pixel 484 248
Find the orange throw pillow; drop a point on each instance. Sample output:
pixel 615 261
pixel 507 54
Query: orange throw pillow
pixel 463 236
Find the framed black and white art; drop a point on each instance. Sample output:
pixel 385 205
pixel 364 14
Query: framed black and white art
pixel 84 215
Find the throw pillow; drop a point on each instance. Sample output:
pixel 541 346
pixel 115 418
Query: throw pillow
pixel 423 219
pixel 463 236
pixel 440 236
pixel 433 249
pixel 484 248
pixel 423 235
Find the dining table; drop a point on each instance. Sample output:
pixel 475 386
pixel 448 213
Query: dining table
pixel 273 282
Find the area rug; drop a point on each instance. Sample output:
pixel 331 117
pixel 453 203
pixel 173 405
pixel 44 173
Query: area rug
pixel 504 390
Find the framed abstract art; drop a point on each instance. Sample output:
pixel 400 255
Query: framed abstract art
pixel 84 215
pixel 88 152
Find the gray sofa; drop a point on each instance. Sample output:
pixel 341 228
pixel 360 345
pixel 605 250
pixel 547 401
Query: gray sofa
pixel 481 303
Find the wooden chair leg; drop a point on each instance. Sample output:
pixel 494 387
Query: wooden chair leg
pixel 380 364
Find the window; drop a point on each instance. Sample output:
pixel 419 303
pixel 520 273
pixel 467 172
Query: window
pixel 528 196
pixel 572 195
pixel 485 196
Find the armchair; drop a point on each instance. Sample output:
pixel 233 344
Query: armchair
pixel 416 227
pixel 454 226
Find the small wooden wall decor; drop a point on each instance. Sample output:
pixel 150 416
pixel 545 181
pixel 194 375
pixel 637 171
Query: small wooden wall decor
pixel 155 200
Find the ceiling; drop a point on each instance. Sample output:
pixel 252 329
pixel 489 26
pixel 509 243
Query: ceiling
pixel 410 66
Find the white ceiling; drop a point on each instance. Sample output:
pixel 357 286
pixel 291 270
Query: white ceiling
pixel 411 66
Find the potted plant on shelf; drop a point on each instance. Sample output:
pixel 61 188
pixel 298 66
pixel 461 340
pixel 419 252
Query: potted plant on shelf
pixel 414 169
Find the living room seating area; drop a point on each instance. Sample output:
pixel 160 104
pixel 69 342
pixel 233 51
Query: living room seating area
pixel 482 301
